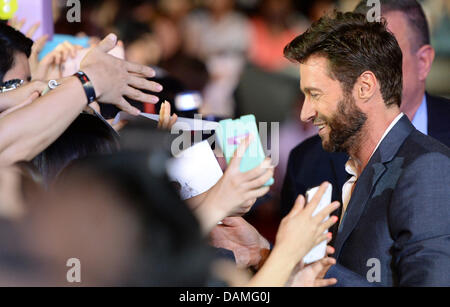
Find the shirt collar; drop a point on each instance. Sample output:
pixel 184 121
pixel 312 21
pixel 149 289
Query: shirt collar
pixel 351 165
pixel 420 120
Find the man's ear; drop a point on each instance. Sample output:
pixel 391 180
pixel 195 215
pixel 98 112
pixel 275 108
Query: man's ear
pixel 366 86
pixel 425 57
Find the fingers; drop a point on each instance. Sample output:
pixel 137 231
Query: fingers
pixel 140 69
pixel 298 206
pixel 39 44
pixel 144 84
pixel 260 181
pixel 161 115
pixel 330 250
pixel 108 43
pixel 258 171
pixel 321 215
pixel 232 221
pixel 137 95
pixel 239 152
pixel 312 205
pixel 328 223
pixel 173 120
pixel 125 106
pixel 37 86
pixel 323 237
pixel 166 117
pixel 71 50
pixel 257 193
pixel 17 24
pixel 33 30
pixel 325 282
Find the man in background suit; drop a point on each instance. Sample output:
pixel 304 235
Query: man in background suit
pixel 309 164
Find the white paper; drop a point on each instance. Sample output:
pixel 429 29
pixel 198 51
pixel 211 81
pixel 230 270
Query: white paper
pixel 319 251
pixel 195 169
pixel 184 124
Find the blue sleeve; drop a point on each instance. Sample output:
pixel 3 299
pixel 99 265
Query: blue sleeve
pixel 419 218
pixel 347 278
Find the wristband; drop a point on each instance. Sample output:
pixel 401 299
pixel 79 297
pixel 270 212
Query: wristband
pixel 87 86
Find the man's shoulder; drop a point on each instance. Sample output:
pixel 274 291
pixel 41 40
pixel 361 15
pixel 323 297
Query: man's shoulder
pixel 421 149
pixel 438 109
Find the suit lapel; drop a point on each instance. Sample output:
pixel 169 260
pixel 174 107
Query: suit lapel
pixel 369 178
pixel 367 181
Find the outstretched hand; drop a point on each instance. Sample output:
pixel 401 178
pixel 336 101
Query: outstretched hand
pixel 166 121
pixel 300 231
pixel 237 235
pixel 313 275
pixel 239 191
pixel 114 78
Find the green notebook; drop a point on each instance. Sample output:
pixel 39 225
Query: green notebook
pixel 231 132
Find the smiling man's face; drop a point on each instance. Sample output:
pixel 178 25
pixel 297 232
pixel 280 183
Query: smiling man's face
pixel 334 112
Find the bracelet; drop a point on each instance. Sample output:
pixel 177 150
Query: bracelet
pixel 87 86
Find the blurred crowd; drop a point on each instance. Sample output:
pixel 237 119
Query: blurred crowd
pixel 86 193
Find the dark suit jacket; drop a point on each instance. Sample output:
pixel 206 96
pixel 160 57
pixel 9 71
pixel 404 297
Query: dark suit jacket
pixel 398 215
pixel 309 164
pixel 438 110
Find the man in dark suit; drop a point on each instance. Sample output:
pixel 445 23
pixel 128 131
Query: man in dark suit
pixel 429 114
pixel 394 229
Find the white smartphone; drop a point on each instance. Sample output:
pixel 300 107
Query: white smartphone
pixel 319 251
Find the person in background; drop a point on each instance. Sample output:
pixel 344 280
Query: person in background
pixel 270 31
pixel 22 136
pixel 218 36
pixel 87 135
pixel 140 42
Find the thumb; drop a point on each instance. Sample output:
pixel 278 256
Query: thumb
pixel 108 43
pixel 231 221
pixel 298 206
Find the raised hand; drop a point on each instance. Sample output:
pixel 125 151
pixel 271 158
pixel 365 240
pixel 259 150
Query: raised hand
pixel 166 121
pixel 313 275
pixel 237 235
pixel 236 192
pixel 114 78
pixel 300 231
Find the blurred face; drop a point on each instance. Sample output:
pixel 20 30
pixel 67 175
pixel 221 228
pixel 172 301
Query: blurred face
pixel 20 68
pixel 88 221
pixel 145 51
pixel 413 82
pixel 334 112
pixel 220 6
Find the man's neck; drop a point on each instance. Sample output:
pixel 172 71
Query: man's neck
pixel 371 135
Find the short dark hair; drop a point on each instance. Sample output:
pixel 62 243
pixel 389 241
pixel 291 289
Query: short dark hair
pixel 11 41
pixel 86 136
pixel 413 12
pixel 353 45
